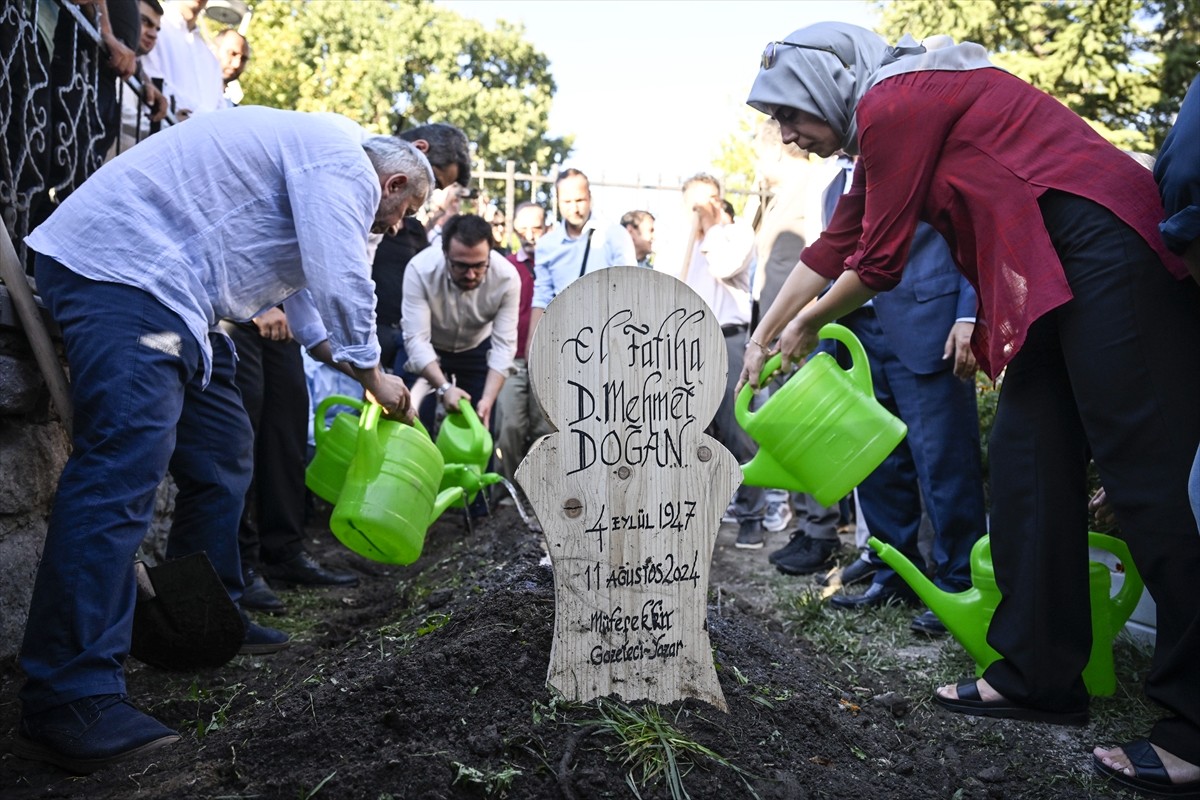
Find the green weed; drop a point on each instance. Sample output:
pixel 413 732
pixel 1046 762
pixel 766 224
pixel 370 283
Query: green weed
pixel 490 782
pixel 653 748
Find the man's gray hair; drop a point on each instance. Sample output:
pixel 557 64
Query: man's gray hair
pixel 391 155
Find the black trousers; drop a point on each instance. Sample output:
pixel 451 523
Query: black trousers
pixel 270 376
pixel 1112 374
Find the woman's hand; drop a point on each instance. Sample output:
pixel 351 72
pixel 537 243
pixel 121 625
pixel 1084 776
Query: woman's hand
pixel 752 363
pixel 798 339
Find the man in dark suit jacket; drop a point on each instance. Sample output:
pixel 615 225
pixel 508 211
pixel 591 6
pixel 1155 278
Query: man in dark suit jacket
pixel 917 337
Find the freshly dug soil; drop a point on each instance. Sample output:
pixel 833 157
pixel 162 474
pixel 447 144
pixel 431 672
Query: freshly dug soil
pixel 429 682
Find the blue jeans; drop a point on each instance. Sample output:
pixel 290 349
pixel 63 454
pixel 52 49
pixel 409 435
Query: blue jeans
pixel 136 375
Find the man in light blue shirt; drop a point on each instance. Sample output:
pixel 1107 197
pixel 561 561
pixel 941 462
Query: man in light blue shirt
pixel 222 217
pixel 580 244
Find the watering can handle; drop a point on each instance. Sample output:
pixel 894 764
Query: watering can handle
pixel 322 412
pixel 860 367
pixel 1131 590
pixel 370 418
pixel 859 372
pixel 741 404
pixel 468 411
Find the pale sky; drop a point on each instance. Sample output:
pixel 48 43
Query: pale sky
pixel 650 88
pixel 653 86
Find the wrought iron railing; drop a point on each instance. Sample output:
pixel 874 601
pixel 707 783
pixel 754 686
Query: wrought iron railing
pixel 49 117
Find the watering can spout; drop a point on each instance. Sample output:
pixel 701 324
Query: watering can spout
pixel 961 612
pixel 445 499
pixel 763 470
pixel 914 577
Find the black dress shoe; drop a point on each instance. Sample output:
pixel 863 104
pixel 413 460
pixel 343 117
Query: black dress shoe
pixel 258 596
pixel 928 624
pixel 303 570
pixel 876 595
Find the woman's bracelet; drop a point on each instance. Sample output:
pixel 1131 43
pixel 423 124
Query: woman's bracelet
pixel 751 341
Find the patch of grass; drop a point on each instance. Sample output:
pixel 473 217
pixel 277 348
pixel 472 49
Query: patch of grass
pixel 433 623
pixel 653 748
pixel 219 717
pixel 491 782
pixel 871 641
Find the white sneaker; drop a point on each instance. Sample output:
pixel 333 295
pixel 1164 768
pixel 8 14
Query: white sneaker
pixel 778 516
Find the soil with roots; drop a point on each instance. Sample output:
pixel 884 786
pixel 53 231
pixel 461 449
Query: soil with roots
pixel 428 681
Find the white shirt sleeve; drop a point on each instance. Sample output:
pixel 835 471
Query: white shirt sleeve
pixel 415 321
pixel 728 249
pixel 504 326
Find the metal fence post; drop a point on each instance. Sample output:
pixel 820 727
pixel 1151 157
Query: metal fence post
pixel 510 196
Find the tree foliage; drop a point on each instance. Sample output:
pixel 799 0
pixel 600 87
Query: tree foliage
pixel 1123 65
pixel 393 64
pixel 734 162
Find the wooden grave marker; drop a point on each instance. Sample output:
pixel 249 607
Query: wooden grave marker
pixel 630 367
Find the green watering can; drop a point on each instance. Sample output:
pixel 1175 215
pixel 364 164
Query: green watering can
pixel 967 614
pixel 335 447
pixel 466 446
pixel 823 431
pixel 390 496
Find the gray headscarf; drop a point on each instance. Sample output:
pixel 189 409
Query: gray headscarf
pixel 840 62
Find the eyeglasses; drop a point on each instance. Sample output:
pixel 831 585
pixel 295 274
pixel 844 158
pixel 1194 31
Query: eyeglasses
pixel 462 269
pixel 771 52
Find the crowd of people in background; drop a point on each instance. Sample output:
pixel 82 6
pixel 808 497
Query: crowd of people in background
pixel 934 251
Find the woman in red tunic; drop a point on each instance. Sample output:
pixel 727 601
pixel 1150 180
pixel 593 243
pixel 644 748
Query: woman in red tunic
pixel 1096 324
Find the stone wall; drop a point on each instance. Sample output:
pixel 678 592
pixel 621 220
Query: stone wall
pixel 33 449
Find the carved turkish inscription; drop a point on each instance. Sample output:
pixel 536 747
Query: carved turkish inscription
pixel 629 365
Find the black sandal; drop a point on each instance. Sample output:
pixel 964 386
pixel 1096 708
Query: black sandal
pixel 1151 777
pixel 969 702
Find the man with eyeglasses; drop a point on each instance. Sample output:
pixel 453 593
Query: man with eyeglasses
pixel 459 319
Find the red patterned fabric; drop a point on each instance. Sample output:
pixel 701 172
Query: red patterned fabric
pixel 971 153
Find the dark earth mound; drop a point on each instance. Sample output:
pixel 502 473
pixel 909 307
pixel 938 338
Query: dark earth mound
pixel 429 682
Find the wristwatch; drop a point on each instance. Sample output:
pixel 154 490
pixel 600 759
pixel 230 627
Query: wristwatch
pixel 445 387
